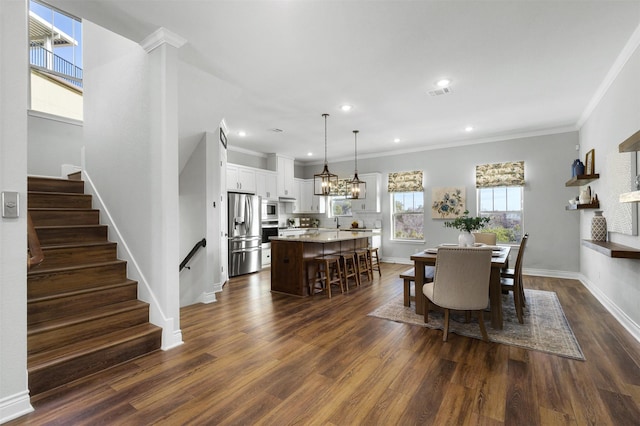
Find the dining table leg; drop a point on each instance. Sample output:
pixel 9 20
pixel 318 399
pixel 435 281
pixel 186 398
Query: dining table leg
pixel 495 298
pixel 418 269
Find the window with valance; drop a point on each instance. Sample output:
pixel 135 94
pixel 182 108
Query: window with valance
pixel 500 197
pixel 407 205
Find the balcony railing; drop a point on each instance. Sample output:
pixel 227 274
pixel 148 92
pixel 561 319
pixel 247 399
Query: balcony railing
pixel 46 61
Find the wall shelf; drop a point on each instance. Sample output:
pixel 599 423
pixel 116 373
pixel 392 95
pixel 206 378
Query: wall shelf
pixel 612 249
pixel 595 205
pixel 582 179
pixel 630 197
pixel 631 144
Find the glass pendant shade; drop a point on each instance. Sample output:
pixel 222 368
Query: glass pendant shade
pixel 356 188
pixel 325 183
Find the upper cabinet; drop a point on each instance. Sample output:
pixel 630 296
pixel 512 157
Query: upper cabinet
pixel 267 184
pixel 306 202
pixel 241 179
pixel 371 203
pixel 284 168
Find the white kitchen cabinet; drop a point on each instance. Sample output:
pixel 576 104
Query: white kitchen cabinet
pixel 241 179
pixel 285 170
pixel 266 257
pixel 371 203
pixel 306 202
pixel 267 185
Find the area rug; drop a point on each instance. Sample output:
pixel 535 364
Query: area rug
pixel 545 327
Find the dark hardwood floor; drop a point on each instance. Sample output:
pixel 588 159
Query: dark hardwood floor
pixel 254 357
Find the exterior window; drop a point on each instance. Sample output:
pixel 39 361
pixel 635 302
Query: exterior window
pixel 55 56
pixel 504 206
pixel 407 215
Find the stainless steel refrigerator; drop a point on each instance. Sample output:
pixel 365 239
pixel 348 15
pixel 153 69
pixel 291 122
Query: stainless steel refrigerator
pixel 245 235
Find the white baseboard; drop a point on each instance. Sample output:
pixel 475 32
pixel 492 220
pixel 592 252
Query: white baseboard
pixel 14 406
pixel 207 297
pixel 631 326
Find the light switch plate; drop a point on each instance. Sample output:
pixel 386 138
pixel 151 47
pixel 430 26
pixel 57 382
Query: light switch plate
pixel 10 204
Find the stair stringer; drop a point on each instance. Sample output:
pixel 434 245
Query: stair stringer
pixel 171 337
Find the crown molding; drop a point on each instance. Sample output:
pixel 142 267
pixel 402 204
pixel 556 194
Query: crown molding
pixel 618 65
pixel 162 36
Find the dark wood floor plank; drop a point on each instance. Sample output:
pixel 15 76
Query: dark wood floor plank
pixel 254 357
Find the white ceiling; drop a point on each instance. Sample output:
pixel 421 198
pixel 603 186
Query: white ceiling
pixel 517 67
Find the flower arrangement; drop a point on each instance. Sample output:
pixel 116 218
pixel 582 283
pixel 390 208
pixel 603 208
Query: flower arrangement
pixel 466 223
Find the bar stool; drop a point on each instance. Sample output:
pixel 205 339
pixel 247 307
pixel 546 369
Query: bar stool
pixel 364 266
pixel 374 260
pixel 326 272
pixel 349 268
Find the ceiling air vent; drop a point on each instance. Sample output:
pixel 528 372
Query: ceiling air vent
pixel 438 92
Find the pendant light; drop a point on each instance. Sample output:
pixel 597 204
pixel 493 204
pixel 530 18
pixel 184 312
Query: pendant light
pixel 356 188
pixel 325 183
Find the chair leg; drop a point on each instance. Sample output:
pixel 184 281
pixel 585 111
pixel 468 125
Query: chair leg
pixel 483 330
pixel 445 332
pixel 426 307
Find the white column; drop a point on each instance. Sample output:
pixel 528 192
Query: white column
pixel 14 75
pixel 161 47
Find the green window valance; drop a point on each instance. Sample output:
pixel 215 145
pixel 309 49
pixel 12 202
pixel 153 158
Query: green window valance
pixel 405 182
pixel 342 188
pixel 500 174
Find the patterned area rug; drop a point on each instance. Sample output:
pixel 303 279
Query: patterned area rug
pixel 545 327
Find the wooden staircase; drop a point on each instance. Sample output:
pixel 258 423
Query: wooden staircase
pixel 83 312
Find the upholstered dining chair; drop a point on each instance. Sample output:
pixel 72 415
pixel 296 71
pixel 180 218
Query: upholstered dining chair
pixel 511 280
pixel 461 283
pixel 489 238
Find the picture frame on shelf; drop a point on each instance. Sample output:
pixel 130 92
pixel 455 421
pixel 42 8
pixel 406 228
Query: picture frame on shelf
pixel 590 162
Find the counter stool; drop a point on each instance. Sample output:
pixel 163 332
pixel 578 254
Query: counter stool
pixel 364 266
pixel 349 268
pixel 326 272
pixel 374 260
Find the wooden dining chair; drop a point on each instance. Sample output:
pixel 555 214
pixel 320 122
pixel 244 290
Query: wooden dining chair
pixel 511 280
pixel 489 238
pixel 460 288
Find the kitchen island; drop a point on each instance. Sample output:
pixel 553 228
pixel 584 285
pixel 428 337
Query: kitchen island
pixel 289 256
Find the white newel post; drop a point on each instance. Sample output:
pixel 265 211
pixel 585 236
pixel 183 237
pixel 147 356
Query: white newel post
pixel 161 46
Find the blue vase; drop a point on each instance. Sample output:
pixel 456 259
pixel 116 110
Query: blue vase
pixel 577 168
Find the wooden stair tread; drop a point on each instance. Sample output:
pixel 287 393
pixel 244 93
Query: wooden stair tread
pixel 70 194
pixel 78 244
pixel 62 209
pixel 75 267
pixel 49 358
pixel 81 317
pixel 81 291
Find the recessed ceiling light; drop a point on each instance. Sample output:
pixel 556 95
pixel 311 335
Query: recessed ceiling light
pixel 396 140
pixel 309 154
pixel 346 108
pixel 445 82
pixel 468 129
pixel 242 133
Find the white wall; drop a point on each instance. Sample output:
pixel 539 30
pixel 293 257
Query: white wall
pixel 14 394
pixel 53 142
pixel 126 156
pixel 616 282
pixel 547 167
pixel 193 225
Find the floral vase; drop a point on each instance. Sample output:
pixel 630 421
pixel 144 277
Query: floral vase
pixel 466 239
pixel 599 227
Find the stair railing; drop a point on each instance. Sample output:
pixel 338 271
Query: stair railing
pixel 35 251
pixel 201 243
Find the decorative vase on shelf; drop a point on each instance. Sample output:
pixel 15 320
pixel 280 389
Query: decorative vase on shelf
pixel 466 239
pixel 599 227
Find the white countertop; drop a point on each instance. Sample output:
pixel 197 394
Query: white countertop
pixel 325 236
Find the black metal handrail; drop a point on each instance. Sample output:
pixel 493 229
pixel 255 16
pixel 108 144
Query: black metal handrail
pixel 46 60
pixel 201 243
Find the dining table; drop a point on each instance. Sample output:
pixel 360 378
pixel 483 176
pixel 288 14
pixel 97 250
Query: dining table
pixel 499 261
